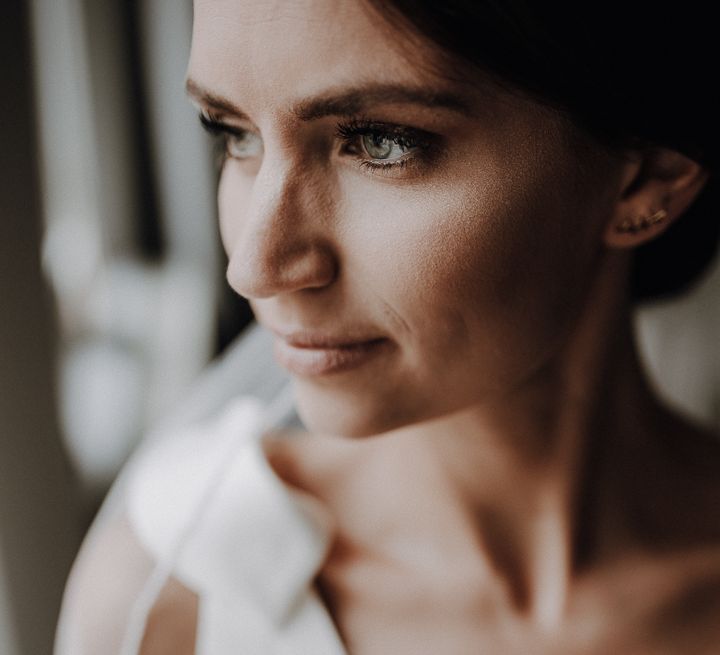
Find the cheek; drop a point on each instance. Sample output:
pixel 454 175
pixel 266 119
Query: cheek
pixel 477 275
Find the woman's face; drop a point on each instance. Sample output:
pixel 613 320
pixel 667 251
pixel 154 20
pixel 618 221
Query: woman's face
pixel 366 197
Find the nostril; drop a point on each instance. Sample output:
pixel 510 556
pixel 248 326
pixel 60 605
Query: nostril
pixel 257 276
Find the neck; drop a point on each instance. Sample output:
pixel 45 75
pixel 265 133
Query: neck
pixel 529 471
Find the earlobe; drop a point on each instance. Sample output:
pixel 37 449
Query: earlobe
pixel 655 191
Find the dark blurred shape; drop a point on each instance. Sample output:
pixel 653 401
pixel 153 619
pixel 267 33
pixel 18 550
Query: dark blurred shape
pixel 149 230
pixel 38 534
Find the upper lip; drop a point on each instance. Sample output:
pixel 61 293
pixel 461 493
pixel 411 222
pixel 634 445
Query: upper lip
pixel 305 338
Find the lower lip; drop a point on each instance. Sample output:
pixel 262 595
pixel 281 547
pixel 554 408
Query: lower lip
pixel 309 362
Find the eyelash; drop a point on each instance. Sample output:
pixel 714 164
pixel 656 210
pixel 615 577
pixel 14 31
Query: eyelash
pixel 417 141
pixel 349 133
pixel 222 133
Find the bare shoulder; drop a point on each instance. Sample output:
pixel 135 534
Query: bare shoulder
pixel 106 578
pixel 674 600
pixel 669 585
pixel 147 512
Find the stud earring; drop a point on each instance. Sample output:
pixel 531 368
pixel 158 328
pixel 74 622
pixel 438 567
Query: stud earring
pixel 632 226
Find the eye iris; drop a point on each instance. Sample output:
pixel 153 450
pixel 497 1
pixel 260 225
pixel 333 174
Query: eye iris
pixel 244 145
pixel 379 146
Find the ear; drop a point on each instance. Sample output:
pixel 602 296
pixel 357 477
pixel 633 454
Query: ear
pixel 657 186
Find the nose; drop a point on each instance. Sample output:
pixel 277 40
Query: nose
pixel 275 235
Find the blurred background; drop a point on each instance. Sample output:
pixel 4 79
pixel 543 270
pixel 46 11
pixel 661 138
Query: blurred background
pixel 113 292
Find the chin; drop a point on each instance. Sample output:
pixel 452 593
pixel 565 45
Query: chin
pixel 329 411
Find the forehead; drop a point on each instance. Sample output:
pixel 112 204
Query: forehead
pixel 269 51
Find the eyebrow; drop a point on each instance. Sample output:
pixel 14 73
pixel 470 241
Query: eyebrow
pixel 344 101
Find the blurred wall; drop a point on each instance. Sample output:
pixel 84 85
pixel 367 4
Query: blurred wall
pixel 680 343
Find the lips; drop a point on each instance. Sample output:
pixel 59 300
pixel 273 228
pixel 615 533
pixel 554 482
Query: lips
pixel 311 354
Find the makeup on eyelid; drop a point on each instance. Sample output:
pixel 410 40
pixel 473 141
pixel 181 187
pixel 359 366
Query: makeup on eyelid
pixel 370 142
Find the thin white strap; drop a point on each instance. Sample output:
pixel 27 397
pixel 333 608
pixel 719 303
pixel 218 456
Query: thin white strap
pixel 279 410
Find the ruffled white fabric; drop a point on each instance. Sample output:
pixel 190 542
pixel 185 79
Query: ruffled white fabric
pixel 212 512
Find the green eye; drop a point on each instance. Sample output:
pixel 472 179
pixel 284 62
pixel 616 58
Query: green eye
pixel 237 142
pixel 385 146
pixel 380 146
pixel 243 145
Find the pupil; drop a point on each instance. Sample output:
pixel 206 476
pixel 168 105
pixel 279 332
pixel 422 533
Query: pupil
pixel 377 146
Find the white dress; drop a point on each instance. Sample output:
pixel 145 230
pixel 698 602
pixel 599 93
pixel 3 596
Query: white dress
pixel 206 506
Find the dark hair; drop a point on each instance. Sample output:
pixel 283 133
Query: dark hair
pixel 628 74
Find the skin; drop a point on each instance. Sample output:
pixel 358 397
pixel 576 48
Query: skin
pixel 547 485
